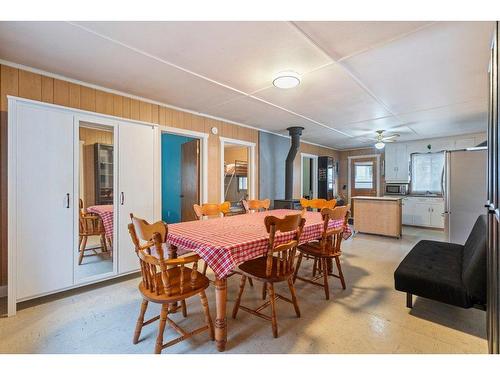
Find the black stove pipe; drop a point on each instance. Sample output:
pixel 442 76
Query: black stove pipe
pixel 295 133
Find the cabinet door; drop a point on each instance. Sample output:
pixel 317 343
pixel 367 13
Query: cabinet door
pixel 44 200
pixel 408 207
pixel 135 186
pixel 421 214
pixel 437 215
pixel 402 161
pixel 390 163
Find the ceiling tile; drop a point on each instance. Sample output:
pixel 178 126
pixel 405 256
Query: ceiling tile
pixel 244 55
pixel 463 118
pixel 87 57
pixel 342 39
pixel 328 95
pixel 256 113
pixel 442 64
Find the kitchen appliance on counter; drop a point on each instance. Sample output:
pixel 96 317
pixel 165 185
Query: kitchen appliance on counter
pixel 464 182
pixel 396 189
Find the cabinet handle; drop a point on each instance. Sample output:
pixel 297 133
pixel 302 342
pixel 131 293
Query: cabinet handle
pixel 122 198
pixel 67 200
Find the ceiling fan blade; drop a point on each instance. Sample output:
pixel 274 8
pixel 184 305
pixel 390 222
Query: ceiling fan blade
pixel 390 137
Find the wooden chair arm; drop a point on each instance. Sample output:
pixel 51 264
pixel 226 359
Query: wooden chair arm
pixel 182 260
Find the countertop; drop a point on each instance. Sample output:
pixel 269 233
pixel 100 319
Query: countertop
pixel 397 198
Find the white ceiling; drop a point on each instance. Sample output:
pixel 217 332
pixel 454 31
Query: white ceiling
pixel 419 79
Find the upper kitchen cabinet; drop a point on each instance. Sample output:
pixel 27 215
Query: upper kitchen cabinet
pixel 396 162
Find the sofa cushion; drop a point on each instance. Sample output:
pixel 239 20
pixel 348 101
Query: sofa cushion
pixel 433 270
pixel 474 261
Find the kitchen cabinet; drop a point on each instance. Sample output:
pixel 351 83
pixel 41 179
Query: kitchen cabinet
pixel 408 206
pixel 423 211
pixel 396 163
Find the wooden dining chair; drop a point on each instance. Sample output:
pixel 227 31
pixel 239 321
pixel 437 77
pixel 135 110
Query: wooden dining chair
pixel 166 281
pixel 211 210
pixel 317 203
pixel 274 267
pixel 253 205
pixel 325 250
pixel 90 225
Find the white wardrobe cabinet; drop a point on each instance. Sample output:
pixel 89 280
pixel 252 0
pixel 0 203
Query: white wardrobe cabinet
pixel 135 184
pixel 44 199
pixel 43 194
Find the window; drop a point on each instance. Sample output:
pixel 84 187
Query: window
pixel 363 175
pixel 242 183
pixel 427 173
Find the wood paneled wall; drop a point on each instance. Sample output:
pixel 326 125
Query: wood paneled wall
pixel 344 166
pixel 34 86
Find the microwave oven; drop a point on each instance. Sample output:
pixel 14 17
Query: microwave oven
pixel 396 189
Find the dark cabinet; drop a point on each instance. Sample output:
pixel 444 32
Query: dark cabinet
pixel 326 177
pixel 103 158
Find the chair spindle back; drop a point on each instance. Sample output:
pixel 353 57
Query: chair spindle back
pixel 256 205
pixel 155 269
pixel 331 238
pixel 285 258
pixel 211 209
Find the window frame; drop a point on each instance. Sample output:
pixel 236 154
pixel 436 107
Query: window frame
pixel 412 183
pixel 365 163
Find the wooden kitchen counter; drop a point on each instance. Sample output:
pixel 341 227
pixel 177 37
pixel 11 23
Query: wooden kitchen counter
pixel 378 215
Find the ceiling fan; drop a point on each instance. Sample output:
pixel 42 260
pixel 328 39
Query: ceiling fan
pixel 381 140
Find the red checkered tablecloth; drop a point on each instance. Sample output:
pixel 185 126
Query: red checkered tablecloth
pixel 224 243
pixel 105 211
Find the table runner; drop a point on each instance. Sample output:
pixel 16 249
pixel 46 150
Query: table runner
pixel 105 211
pixel 224 243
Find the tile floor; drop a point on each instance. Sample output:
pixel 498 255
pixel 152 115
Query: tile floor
pixel 368 317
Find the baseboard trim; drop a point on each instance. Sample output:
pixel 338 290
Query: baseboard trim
pixel 3 291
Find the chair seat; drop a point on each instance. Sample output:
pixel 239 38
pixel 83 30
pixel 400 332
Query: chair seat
pixel 433 270
pixel 256 268
pixel 174 274
pixel 314 249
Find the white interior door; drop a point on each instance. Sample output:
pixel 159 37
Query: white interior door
pixel 44 200
pixel 136 168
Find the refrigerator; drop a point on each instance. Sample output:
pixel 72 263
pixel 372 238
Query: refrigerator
pixel 326 177
pixel 465 188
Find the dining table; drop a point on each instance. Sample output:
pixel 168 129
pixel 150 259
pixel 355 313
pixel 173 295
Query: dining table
pixel 226 242
pixel 105 212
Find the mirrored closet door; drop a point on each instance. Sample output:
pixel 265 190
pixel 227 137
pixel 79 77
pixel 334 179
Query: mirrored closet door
pixel 96 201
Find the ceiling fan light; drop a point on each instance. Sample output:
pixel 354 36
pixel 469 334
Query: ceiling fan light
pixel 286 80
pixel 379 145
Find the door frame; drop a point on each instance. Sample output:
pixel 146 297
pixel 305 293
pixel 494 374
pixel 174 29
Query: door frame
pixel 314 172
pixel 349 159
pixel 203 137
pixel 251 164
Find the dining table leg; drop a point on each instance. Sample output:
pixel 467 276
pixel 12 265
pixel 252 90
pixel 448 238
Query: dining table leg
pixel 220 314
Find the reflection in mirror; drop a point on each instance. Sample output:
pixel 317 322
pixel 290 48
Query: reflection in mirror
pixel 96 182
pixel 236 175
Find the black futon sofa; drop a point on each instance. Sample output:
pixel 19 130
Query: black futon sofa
pixel 447 272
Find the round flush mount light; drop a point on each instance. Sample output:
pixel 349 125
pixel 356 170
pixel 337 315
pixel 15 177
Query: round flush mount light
pixel 379 145
pixel 286 80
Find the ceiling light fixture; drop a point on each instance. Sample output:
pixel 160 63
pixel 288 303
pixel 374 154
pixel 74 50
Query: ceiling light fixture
pixel 379 145
pixel 286 80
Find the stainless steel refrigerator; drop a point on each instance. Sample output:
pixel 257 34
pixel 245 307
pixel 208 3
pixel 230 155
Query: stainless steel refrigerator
pixel 465 177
